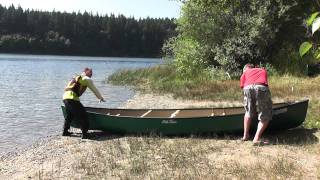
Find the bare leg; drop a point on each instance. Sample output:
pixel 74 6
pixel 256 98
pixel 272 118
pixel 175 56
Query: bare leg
pixel 246 128
pixel 262 125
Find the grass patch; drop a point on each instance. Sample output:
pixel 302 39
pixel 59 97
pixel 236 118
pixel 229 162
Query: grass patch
pixel 164 79
pixel 184 158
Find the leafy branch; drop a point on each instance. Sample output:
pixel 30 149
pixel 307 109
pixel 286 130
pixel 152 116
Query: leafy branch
pixel 305 47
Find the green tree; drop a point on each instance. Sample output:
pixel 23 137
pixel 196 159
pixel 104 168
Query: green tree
pixel 230 33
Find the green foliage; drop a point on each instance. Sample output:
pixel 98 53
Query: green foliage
pixel 272 71
pixel 33 31
pixel 312 45
pixel 313 117
pixel 228 34
pixel 288 61
pixel 304 48
pixel 311 18
pixel 315 25
pixel 189 57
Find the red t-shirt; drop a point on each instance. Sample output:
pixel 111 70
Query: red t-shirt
pixel 254 76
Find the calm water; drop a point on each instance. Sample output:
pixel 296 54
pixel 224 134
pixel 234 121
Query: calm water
pixel 31 89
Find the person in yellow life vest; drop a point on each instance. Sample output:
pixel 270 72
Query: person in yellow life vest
pixel 71 99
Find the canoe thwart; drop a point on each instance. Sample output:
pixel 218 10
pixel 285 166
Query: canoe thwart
pixel 174 114
pixel 143 115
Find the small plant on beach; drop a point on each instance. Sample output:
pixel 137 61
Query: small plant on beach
pixel 236 169
pixel 139 165
pixel 284 168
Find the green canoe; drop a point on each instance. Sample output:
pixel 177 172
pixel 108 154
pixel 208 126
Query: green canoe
pixel 187 121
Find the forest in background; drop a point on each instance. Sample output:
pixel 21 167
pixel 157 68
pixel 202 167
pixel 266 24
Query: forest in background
pixel 41 32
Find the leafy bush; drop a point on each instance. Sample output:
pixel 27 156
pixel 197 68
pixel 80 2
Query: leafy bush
pixel 228 34
pixel 189 57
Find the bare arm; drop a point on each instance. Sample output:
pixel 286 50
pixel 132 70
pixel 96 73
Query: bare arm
pixel 93 88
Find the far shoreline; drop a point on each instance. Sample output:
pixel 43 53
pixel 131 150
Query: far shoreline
pixel 80 57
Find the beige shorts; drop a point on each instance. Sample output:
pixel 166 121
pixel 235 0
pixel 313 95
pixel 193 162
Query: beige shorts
pixel 257 101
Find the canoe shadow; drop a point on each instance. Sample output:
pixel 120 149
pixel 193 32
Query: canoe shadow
pixel 97 135
pixel 297 136
pixel 104 136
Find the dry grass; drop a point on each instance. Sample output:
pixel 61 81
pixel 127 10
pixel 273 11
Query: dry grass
pixel 293 87
pixel 153 157
pixel 186 158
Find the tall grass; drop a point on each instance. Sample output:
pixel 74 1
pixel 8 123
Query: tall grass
pixel 164 79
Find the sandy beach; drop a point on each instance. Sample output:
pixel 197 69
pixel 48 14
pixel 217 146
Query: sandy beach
pixel 294 154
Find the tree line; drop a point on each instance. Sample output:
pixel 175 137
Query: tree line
pixel 42 32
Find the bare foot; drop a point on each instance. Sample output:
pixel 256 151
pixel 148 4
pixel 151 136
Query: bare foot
pixel 244 139
pixel 261 143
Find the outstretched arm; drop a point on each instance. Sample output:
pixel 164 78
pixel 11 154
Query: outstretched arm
pixel 93 88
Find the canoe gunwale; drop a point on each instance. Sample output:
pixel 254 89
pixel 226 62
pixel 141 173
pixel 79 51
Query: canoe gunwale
pixel 138 117
pixel 286 115
pixel 285 105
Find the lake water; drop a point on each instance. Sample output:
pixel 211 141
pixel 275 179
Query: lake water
pixel 31 88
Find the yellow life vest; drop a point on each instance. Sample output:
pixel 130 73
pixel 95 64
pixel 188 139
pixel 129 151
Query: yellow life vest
pixel 77 86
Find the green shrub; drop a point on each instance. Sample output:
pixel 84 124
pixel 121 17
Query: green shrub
pixel 228 34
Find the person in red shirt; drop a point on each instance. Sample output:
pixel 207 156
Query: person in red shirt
pixel 257 101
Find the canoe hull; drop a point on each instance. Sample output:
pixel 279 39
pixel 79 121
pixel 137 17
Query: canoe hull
pixel 285 117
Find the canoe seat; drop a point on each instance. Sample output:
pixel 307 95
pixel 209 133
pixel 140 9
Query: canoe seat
pixel 174 114
pixel 212 114
pixel 146 113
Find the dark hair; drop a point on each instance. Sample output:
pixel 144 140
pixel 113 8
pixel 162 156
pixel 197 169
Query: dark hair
pixel 249 65
pixel 87 69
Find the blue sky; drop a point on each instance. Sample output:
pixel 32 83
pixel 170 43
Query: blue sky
pixel 136 8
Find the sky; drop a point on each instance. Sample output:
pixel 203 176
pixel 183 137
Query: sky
pixel 129 8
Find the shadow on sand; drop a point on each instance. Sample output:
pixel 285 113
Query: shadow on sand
pixel 298 136
pixel 97 135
